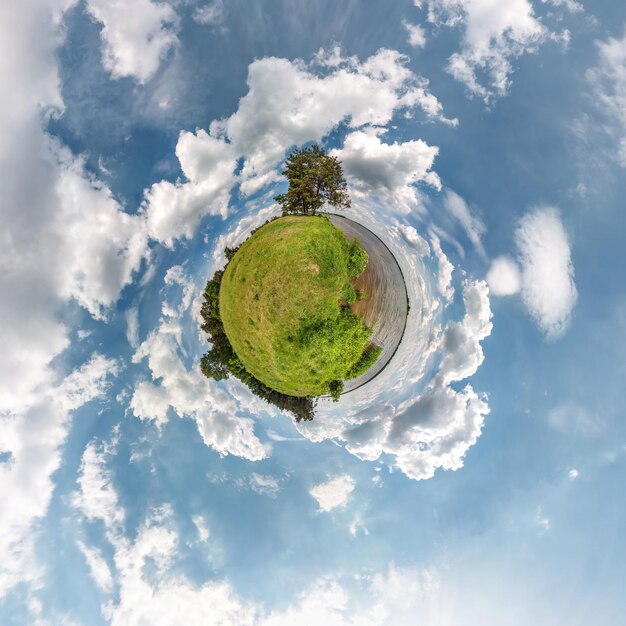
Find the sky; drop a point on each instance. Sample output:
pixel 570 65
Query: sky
pixel 479 479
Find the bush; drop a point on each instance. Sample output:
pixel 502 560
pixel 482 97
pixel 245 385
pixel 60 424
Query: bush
pixel 357 259
pixel 349 294
pixel 369 356
pixel 335 387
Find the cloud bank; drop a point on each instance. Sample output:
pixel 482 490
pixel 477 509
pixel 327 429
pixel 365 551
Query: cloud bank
pixel 290 103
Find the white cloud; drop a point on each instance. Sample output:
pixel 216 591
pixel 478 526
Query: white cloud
pixel 290 103
pixel 548 288
pixel 572 474
pixel 187 391
pixel 98 567
pixel 417 35
pixel 574 420
pixel 609 82
pixel 211 14
pixel 102 245
pixel 201 527
pixel 356 525
pixel 97 497
pixel 190 394
pixel 132 326
pixel 396 596
pixel 389 171
pixel 174 210
pixel 470 222
pixel 264 484
pixel 444 279
pixel 158 598
pixel 136 37
pixel 334 492
pixel 308 106
pixel 414 239
pixel 34 438
pixel 65 237
pixel 504 277
pixel 571 5
pixel 433 428
pixel 494 33
pixel 160 595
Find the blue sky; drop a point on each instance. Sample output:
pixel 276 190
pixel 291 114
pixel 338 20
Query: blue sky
pixel 479 479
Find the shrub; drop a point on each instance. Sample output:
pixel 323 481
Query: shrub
pixel 335 387
pixel 349 294
pixel 369 356
pixel 357 259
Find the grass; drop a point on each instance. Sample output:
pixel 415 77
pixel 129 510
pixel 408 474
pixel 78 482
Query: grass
pixel 281 301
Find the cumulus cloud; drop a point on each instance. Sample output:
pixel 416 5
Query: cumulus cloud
pixel 494 33
pixel 135 37
pixel 97 498
pixel 548 288
pixel 608 79
pixel 417 35
pixel 334 492
pixel 174 210
pixel 389 171
pixel 186 391
pixel 504 277
pixel 393 596
pixel 440 425
pixel 290 103
pixel 413 239
pixel 159 595
pixel 434 427
pixel 64 236
pixel 33 439
pixel 190 394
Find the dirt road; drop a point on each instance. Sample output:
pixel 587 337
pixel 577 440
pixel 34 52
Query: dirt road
pixel 385 307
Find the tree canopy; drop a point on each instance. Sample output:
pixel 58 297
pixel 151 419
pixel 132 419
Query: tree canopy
pixel 315 179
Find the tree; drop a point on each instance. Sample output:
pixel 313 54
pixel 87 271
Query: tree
pixel 335 388
pixel 315 179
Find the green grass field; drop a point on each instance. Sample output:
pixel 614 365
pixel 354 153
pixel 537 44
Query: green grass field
pixel 280 304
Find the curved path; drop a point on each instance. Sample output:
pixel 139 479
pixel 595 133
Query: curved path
pixel 386 303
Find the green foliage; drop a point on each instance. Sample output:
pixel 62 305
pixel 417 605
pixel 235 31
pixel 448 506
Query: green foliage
pixel 349 294
pixel 357 259
pixel 367 359
pixel 286 322
pixel 315 179
pixel 335 388
pixel 229 253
